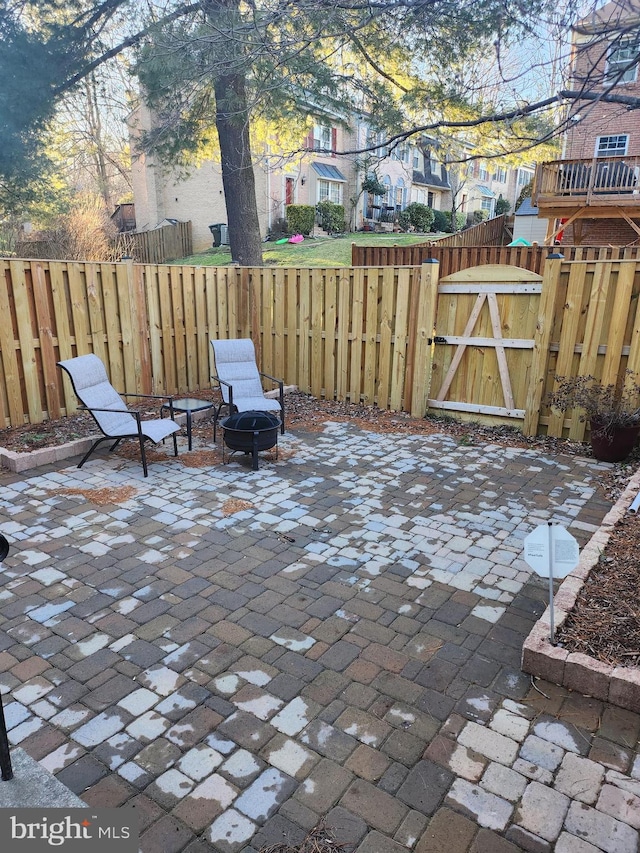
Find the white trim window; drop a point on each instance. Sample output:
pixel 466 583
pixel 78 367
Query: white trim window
pixel 321 137
pixel 620 55
pixel 610 146
pixel 329 191
pixel 524 177
pixel 487 204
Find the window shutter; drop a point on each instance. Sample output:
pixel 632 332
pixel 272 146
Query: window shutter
pixel 334 140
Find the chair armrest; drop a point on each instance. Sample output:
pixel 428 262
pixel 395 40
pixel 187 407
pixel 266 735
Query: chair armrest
pixel 149 396
pixel 133 414
pixel 279 382
pixel 229 386
pixel 97 409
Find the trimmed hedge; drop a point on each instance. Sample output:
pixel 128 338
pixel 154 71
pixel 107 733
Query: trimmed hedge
pixel 331 216
pixel 301 218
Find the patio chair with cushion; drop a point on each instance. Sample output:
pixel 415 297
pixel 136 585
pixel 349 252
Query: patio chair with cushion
pixel 239 379
pixel 99 398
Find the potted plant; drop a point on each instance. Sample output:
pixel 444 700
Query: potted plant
pixel 613 412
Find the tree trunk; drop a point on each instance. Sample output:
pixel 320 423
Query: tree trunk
pixel 232 123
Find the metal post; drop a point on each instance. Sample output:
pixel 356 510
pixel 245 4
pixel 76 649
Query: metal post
pixel 552 629
pixel 5 758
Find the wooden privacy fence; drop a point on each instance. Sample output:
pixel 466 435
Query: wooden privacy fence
pixel 158 245
pixel 483 343
pixel 146 247
pixel 339 333
pixel 453 259
pixel 492 232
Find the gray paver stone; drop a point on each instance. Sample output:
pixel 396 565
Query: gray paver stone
pixel 503 782
pixel 603 831
pixel 542 811
pixel 620 804
pixel 425 786
pixel 567 843
pixel 490 811
pixel 579 778
pixel 495 746
pixel 231 831
pixel 261 799
pixel 541 753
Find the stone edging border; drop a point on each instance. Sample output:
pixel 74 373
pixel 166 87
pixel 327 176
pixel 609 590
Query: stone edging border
pixel 18 462
pixel 619 685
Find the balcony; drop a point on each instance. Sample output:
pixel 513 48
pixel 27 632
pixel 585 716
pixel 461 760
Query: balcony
pixel 589 188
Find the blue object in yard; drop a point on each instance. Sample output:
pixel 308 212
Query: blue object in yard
pixel 520 241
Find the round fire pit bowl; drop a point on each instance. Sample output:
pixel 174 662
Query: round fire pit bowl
pixel 250 432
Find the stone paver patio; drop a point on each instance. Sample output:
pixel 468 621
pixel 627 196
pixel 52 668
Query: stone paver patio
pixel 237 654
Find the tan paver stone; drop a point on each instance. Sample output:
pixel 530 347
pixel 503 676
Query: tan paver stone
pixel 487 841
pixel 377 843
pixel 363 726
pixel 377 808
pixel 205 802
pixel 459 759
pixel 448 832
pixel 324 786
pixel 385 657
pixel 411 829
pixel 367 763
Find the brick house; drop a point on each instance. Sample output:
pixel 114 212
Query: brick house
pixel 591 196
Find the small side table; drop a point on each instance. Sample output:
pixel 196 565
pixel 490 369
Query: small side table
pixel 188 405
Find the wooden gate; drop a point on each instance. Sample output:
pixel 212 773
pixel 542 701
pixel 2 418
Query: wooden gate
pixel 485 327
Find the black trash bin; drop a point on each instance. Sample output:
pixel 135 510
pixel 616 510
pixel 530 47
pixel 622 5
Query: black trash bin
pixel 216 231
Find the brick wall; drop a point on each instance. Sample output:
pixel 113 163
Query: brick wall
pixel 599 119
pixel 603 232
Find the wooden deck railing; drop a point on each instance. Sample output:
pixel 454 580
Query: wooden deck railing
pixel 603 181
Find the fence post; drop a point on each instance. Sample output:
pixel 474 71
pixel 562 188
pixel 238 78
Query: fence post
pixel 139 327
pixel 421 339
pixel 541 343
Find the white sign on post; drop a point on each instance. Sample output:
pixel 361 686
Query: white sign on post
pixel 552 552
pixel 551 546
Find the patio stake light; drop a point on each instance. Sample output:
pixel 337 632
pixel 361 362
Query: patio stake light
pixel 5 758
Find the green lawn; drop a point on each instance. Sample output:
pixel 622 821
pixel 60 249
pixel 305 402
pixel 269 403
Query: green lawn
pixel 313 252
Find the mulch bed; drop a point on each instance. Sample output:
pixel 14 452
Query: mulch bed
pixel 606 620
